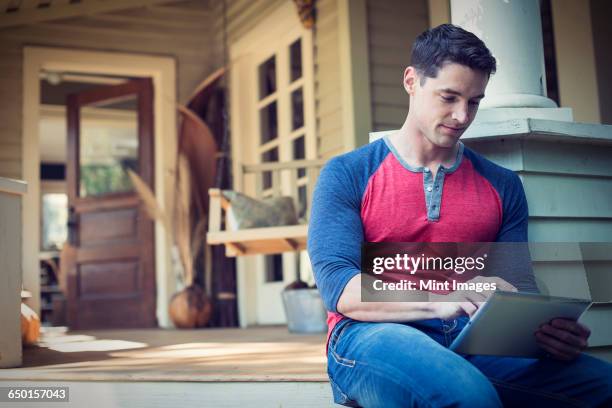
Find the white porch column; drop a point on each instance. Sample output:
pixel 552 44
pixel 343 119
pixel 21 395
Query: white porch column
pixel 513 32
pixel 11 193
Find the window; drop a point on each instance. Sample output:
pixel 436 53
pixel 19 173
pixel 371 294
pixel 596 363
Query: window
pixel 54 221
pixel 274 268
pixel 284 131
pixel 281 111
pixel 267 77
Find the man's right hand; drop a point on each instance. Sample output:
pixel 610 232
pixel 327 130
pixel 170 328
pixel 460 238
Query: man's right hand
pixel 460 303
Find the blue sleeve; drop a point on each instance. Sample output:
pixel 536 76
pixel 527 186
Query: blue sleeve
pixel 516 258
pixel 515 211
pixel 512 260
pixel 335 232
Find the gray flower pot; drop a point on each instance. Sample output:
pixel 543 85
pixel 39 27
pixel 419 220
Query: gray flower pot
pixel 305 311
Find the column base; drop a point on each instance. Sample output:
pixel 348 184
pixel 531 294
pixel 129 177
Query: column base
pixel 501 114
pixel 516 100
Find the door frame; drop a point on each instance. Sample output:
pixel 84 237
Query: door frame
pixel 282 21
pixel 162 70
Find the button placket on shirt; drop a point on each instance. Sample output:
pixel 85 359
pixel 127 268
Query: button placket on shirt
pixel 433 192
pixel 428 187
pixel 432 188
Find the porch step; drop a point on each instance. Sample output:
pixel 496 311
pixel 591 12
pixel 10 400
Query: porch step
pixel 133 394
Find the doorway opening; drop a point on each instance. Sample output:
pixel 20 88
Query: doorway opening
pixel 49 75
pixel 93 130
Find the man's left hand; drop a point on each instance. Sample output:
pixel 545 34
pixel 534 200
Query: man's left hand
pixel 563 339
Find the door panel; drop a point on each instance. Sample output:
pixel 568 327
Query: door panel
pixel 114 279
pixel 111 281
pixel 119 224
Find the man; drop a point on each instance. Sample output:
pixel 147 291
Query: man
pixel 421 184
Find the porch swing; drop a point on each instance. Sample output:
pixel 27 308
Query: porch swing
pixel 263 238
pixel 270 239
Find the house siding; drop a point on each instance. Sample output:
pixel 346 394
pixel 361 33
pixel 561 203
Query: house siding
pixel 392 27
pixel 242 16
pixel 568 188
pixel 180 31
pixel 328 82
pixel 10 109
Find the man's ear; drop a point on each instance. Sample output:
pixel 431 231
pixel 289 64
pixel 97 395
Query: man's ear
pixel 410 80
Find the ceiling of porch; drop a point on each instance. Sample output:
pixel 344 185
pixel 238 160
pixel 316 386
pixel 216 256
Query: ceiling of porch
pixel 14 13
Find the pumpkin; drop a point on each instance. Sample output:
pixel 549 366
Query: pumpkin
pixel 30 326
pixel 190 308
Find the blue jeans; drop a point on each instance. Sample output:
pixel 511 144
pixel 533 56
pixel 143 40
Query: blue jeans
pixel 410 365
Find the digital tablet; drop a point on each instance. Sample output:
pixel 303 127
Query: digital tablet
pixel 506 323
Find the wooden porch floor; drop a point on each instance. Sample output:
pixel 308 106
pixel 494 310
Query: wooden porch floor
pixel 203 355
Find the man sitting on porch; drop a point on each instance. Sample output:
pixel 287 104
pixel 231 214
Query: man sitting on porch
pixel 421 184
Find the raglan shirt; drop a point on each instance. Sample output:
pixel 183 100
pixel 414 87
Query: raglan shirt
pixel 372 195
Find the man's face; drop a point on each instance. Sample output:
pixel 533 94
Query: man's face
pixel 443 107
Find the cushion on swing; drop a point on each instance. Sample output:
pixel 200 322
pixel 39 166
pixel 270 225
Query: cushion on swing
pixel 246 212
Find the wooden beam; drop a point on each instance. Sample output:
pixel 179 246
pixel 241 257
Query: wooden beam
pixel 354 72
pixel 293 244
pixel 294 164
pixel 297 232
pixel 66 10
pixel 233 249
pixel 214 212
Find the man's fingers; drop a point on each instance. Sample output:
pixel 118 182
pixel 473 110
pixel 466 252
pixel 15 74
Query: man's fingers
pixel 573 326
pixel 565 336
pixel 474 297
pixel 499 282
pixel 471 301
pixel 507 288
pixel 558 346
pixel 555 353
pixel 503 285
pixel 469 308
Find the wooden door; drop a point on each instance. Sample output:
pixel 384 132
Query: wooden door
pixel 111 276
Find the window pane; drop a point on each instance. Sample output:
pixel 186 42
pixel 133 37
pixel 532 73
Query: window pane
pixel 299 153
pixel 108 147
pixel 297 109
pixel 267 77
pixel 274 268
pixel 269 156
pixel 295 55
pixel 302 201
pixel 269 123
pixel 54 221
